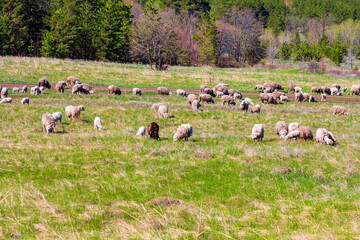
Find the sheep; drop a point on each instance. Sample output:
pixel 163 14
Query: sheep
pixel 259 87
pixel 227 99
pixel 221 87
pixel 305 133
pixel 74 112
pixel 48 123
pixel 299 97
pixel 24 89
pixel 292 135
pixel 258 132
pixel 325 90
pixel 284 98
pixel 16 90
pixel 281 129
pixel 163 111
pixel 273 85
pixel 183 132
pixel 163 91
pixel 77 89
pixel 323 97
pixel 335 91
pixel 355 89
pixel 233 91
pixel 219 94
pixel 42 89
pixel 60 87
pixel 336 86
pixel 191 98
pixel 293 126
pixel 248 100
pixel 87 89
pixel 202 87
pixel 324 136
pixel 181 93
pixel 306 97
pixel 316 89
pixel 209 91
pixel 206 98
pixel 114 90
pixel 44 83
pixel 195 105
pixel 237 96
pixel 35 91
pixel 6 100
pixel 340 110
pixel 153 130
pixel 97 124
pixel 266 98
pixel 25 101
pixel 244 106
pixel 141 132
pixel 291 87
pixel 72 80
pixel 269 90
pixel 256 109
pixel 137 92
pixel 298 89
pixel 312 98
pixel 156 105
pixel 57 116
pixel 278 94
pixel 4 92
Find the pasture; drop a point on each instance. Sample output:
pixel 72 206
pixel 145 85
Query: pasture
pixel 81 183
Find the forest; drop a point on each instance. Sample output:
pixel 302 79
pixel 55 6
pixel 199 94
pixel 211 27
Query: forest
pixel 224 33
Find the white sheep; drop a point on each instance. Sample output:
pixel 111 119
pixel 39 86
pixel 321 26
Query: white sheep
pixel 6 100
pixel 293 126
pixel 141 132
pixel 258 132
pixel 183 132
pixel 248 100
pixel 163 111
pixel 97 124
pixel 323 97
pixel 181 93
pixel 57 116
pixel 195 105
pixel 137 92
pixel 4 92
pixel 281 128
pixel 48 123
pixel 324 136
pixel 244 106
pixel 293 135
pixel 74 112
pixel 219 94
pixel 16 90
pixel 35 91
pixel 25 101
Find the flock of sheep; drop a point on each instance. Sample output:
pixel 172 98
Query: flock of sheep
pixel 270 94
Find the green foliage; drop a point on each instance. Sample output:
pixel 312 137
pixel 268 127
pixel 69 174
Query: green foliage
pixel 285 51
pixel 307 52
pixel 337 51
pixel 323 45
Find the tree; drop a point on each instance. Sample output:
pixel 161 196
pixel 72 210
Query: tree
pixel 337 51
pixel 285 51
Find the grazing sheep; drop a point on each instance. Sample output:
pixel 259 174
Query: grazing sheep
pixel 291 87
pixel 4 92
pixel 278 94
pixel 183 132
pixel 74 112
pixel 35 91
pixel 156 105
pixel 44 83
pixel 281 129
pixel 340 110
pixel 72 80
pixel 42 89
pixel 60 87
pixel 298 89
pixel 97 124
pixel 284 98
pixel 299 97
pixel 316 89
pixel 206 98
pixel 114 90
pixel 336 86
pixel 87 89
pixel 233 91
pixel 77 89
pixel 219 94
pixel 355 89
pixel 221 87
pixel 259 87
pixel 163 91
pixel 163 111
pixel 293 126
pixel 16 90
pixel 237 96
pixel 57 116
pixel 244 106
pixel 306 97
pixel 227 99
pixel 269 90
pixel 25 101
pixel 191 98
pixel 312 98
pixel 292 135
pixel 324 136
pixel 137 92
pixel 202 88
pixel 248 100
pixel 209 91
pixel 273 85
pixel 258 132
pixel 141 132
pixel 305 133
pixel 266 98
pixel 195 105
pixel 153 130
pixel 325 90
pixel 335 91
pixel 181 93
pixel 48 123
pixel 323 97
pixel 24 89
pixel 6 100
pixel 256 109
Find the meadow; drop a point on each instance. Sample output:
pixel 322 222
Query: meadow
pixel 80 183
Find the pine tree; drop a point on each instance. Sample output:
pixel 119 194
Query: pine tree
pixel 337 51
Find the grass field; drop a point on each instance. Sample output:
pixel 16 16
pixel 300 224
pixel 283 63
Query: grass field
pixel 85 184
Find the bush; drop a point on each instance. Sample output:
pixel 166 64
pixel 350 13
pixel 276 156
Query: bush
pixel 314 67
pixel 285 51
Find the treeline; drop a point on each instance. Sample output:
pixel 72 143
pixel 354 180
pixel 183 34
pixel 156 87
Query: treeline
pixel 187 32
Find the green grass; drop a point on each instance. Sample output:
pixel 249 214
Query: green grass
pixel 85 184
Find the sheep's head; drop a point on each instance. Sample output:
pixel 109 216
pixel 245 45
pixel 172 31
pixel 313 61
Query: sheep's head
pixel 283 133
pixel 81 107
pixel 50 128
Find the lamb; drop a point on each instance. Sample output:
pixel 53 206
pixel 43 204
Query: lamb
pixel 340 110
pixel 293 126
pixel 57 116
pixel 6 100
pixel 74 112
pixel 312 98
pixel 141 132
pixel 16 90
pixel 209 91
pixel 114 90
pixel 237 96
pixel 325 90
pixel 206 98
pixel 227 99
pixel 323 97
pixel 35 91
pixel 181 93
pixel 202 87
pixel 355 89
pixel 284 98
pixel 244 106
pixel 48 123
pixel 72 80
pixel 221 87
pixel 248 100
pixel 42 89
pixel 219 94
pixel 316 89
pixel 163 91
pixel 153 130
pixel 4 92
pixel 60 87
pixel 256 109
pixel 137 92
pixel 324 136
pixel 183 132
pixel 281 129
pixel 306 97
pixel 24 89
pixel 298 89
pixel 25 101
pixel 291 87
pixel 258 132
pixel 195 105
pixel 191 98
pixel 299 97
pixel 335 91
pixel 97 124
pixel 44 83
pixel 163 111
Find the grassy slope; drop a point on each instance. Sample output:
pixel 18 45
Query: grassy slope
pixel 82 183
